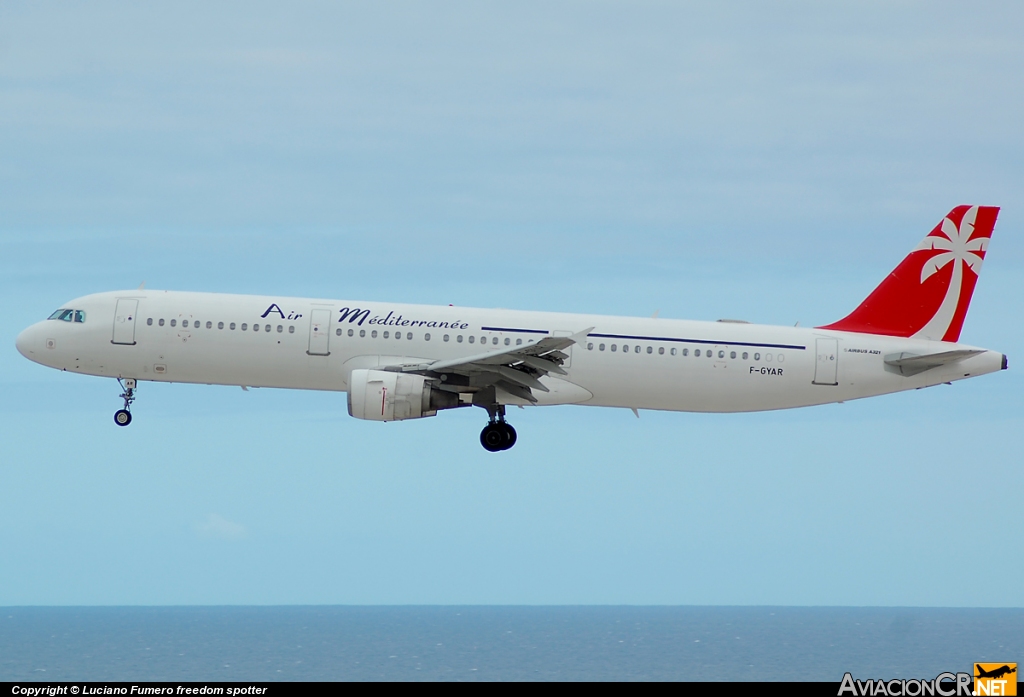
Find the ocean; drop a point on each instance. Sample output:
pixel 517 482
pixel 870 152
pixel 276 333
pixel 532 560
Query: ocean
pixel 499 643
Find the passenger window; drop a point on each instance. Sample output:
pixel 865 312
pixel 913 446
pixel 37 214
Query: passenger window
pixel 600 347
pixel 459 338
pixel 291 328
pixel 209 325
pixel 149 322
pixel 661 351
pixel 174 322
pixel 398 335
pixel 768 357
pixel 244 325
pixel 266 328
pixel 220 325
pixel 686 352
pixel 590 347
pixel 373 334
pixel 184 323
pixel 362 333
pixel 472 339
pixel 721 354
pixel 231 326
pixel 445 338
pixel 161 323
pixel 386 335
pixel 782 357
pixel 625 349
pixel 732 354
pixel 637 349
pixel 696 352
pixel 757 356
pixel 495 341
pixel 255 327
pixel 337 332
pixel 483 341
pixel 674 351
pixel 745 354
pixel 507 341
pixel 351 332
pixel 613 348
pixel 651 350
pixel 519 342
pixel 426 337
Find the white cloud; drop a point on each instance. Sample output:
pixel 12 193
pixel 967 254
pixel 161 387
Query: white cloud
pixel 219 527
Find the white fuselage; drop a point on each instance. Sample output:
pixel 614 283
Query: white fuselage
pixel 624 362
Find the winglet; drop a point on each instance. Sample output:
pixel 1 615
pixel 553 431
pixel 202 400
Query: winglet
pixel 580 337
pixel 142 286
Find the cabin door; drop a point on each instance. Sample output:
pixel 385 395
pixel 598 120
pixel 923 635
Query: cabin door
pixel 320 333
pixel 826 364
pixel 124 321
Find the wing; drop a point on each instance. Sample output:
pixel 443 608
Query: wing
pixel 517 370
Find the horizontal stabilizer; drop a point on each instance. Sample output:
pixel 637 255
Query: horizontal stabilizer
pixel 908 364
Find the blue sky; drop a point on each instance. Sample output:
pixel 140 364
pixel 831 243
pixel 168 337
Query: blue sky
pixel 770 163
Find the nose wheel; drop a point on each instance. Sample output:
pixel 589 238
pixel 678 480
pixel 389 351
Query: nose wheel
pixel 123 417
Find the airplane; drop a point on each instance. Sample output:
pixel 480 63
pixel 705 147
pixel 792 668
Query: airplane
pixel 400 362
pixel 995 673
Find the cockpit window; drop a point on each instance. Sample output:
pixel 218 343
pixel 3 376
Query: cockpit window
pixel 69 315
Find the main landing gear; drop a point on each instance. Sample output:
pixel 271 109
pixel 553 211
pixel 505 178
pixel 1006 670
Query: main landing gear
pixel 497 435
pixel 123 417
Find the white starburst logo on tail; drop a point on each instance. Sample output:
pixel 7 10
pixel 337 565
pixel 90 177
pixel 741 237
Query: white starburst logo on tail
pixel 954 246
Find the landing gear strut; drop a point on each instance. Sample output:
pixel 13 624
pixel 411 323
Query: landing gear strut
pixel 123 417
pixel 497 434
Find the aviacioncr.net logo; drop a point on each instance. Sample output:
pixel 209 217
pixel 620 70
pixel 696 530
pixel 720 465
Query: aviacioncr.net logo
pixel 943 685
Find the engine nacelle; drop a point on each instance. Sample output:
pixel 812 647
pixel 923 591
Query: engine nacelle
pixel 381 395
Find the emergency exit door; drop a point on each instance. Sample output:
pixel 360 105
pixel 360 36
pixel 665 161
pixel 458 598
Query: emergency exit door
pixel 826 364
pixel 568 350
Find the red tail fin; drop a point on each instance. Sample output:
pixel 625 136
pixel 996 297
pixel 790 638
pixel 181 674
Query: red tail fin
pixel 927 295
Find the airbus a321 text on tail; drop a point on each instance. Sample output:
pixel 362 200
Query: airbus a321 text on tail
pixel 411 361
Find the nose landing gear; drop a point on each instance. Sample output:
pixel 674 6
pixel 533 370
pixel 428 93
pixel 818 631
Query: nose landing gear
pixel 497 434
pixel 123 417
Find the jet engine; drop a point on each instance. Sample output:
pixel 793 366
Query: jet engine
pixel 380 395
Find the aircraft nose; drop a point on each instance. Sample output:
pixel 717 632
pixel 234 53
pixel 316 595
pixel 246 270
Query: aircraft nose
pixel 27 342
